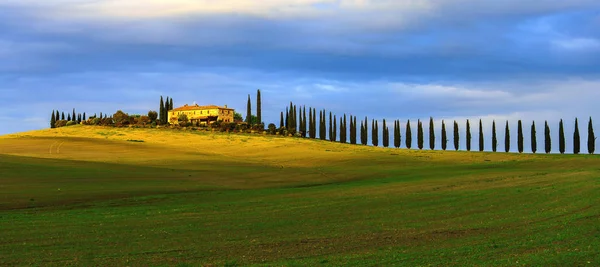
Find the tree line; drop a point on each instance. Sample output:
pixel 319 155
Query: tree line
pixel 296 122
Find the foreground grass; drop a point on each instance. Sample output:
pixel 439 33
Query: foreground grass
pixel 210 199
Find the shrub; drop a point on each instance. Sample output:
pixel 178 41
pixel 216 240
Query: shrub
pixel 228 127
pixel 182 118
pixel 272 128
pixel 60 123
pixel 71 123
pixel 121 118
pixel 143 120
pixel 96 121
pixel 153 124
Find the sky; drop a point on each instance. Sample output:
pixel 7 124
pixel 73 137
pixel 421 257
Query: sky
pixel 393 59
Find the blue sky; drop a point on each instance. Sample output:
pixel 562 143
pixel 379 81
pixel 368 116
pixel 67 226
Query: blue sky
pixel 454 59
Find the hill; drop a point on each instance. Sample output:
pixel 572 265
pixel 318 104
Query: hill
pixel 113 196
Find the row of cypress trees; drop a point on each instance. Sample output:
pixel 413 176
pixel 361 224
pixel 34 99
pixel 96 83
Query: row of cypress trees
pixel 165 106
pixel 57 116
pixel 258 109
pixel 290 123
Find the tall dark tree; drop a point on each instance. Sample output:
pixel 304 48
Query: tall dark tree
pixel 53 120
pixel 456 136
pixel 69 117
pixel 161 113
pixel 547 138
pixel 591 138
pixel 520 136
pixel 84 117
pixel 364 134
pixel 375 134
pixel 74 118
pixel 304 129
pixel 321 132
pixel 468 135
pixel 166 111
pixel 494 137
pixel 444 136
pixel 343 129
pixel 57 115
pixel 561 138
pixel 295 126
pixel 353 130
pixel 310 122
pixel 62 116
pixel 101 114
pixel 314 113
pixel 481 141
pixel 431 134
pixel 334 132
pixel 79 118
pixel 507 138
pixel 170 105
pixel 281 120
pixel 533 138
pixel 249 111
pixel 420 141
pixel 576 139
pixel 408 135
pixel 287 118
pixel 397 136
pixel 385 135
pixel 258 107
pixel 330 127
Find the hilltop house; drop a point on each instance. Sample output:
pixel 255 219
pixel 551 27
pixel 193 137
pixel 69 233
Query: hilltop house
pixel 202 114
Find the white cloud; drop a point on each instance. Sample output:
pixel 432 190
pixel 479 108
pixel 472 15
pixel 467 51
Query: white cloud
pixel 578 44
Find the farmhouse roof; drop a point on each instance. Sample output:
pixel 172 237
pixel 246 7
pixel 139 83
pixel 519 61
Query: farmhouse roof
pixel 197 107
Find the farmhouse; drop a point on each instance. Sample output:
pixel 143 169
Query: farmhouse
pixel 202 114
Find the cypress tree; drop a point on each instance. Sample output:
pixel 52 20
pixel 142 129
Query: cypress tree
pixel 352 138
pixel 591 138
pixel 63 116
pixel 304 129
pixel 375 134
pixel 444 136
pixel 161 113
pixel 481 144
pixel 69 117
pixel 74 118
pixel 101 115
pixel 330 127
pixel 494 137
pixel 420 134
pixel 397 137
pixel 57 116
pixel 561 137
pixel 170 105
pixel 249 111
pixel 281 120
pixel 343 129
pixel 408 135
pixel 431 134
pixel 355 130
pixel 310 122
pixel 287 118
pixel 520 136
pixel 321 125
pixel 547 138
pixel 166 111
pixel 386 135
pixel 258 107
pixel 79 118
pixel 84 117
pixel 456 137
pixel 576 139
pixel 533 138
pixel 334 135
pixel 295 118
pixel 507 138
pixel 468 135
pixel 314 127
pixel 53 121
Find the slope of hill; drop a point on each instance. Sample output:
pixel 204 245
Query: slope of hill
pixel 91 195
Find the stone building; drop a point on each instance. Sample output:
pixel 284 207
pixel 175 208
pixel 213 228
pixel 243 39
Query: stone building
pixel 202 114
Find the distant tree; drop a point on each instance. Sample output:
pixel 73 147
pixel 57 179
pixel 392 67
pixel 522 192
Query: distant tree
pixel 304 133
pixel 281 123
pixel 533 138
pixel 507 138
pixel 165 114
pixel 74 118
pixel 408 135
pixel 314 123
pixel 520 136
pixel 431 134
pixel 343 130
pixel 397 137
pixel 69 117
pixel 468 136
pixel 249 111
pixel 547 138
pixel 100 115
pixel 258 107
pixel 121 118
pixel 182 118
pixel 84 117
pixel 352 138
pixel 365 135
pixel 420 140
pixel 456 136
pixel 170 105
pixel 494 137
pixel 152 115
pixel 375 134
pixel 62 116
pixel 591 138
pixel 561 137
pixel 161 111
pixel 57 116
pixel 237 117
pixel 386 135
pixel 330 127
pixel 576 139
pixel 481 141
pixel 53 120
pixel 287 118
pixel 79 118
pixel 444 136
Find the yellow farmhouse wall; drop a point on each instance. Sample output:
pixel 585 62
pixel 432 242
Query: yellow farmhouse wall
pixel 201 114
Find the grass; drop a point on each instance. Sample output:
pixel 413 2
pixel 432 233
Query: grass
pixel 87 196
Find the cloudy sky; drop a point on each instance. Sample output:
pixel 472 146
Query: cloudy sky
pixel 394 59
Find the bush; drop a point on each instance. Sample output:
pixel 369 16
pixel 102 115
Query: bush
pixel 71 123
pixel 60 123
pixel 153 115
pixel 282 131
pixel 272 129
pixel 228 127
pixel 182 118
pixel 96 121
pixel 121 118
pixel 143 120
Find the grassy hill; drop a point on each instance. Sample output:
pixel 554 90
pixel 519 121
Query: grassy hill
pixel 106 196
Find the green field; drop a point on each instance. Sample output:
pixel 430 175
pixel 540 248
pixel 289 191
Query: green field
pixel 87 196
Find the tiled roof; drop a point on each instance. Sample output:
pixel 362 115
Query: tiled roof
pixel 196 107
